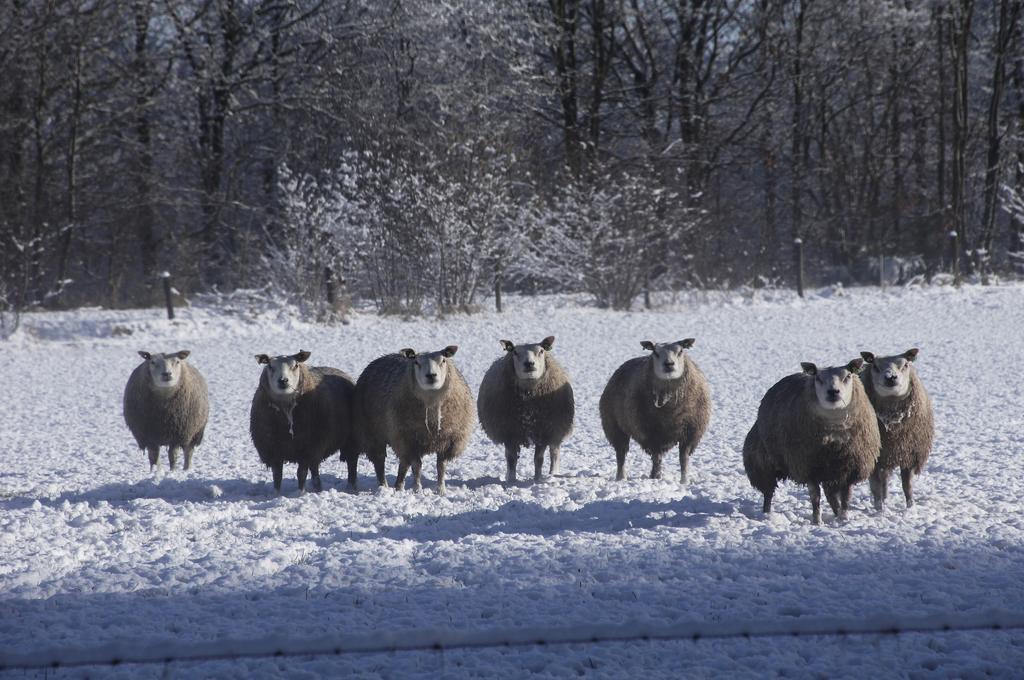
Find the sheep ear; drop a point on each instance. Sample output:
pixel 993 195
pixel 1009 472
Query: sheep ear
pixel 548 342
pixel 262 359
pixel 450 350
pixel 301 355
pixel 868 357
pixel 183 354
pixel 145 355
pixel 809 368
pixel 910 354
pixel 688 343
pixel 647 344
pixel 855 366
pixel 508 345
pixel 408 353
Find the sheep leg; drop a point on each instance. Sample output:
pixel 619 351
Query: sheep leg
pixel 844 501
pixel 656 465
pixel 620 461
pixel 815 503
pixel 554 468
pixel 377 457
pixel 154 457
pixel 538 463
pixel 172 457
pixel 403 469
pixel 906 474
pixel 879 483
pixel 301 475
pixel 442 465
pixel 417 468
pixel 277 469
pixel 832 496
pixel 353 471
pixel 314 471
pixel 684 462
pixel 188 457
pixel 768 495
pixel 511 458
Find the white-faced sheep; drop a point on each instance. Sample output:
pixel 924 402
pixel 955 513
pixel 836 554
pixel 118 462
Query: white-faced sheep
pixel 302 414
pixel 659 400
pixel 416 404
pixel 526 399
pixel 815 428
pixel 905 421
pixel 166 404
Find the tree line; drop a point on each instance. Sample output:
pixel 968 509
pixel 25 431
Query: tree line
pixel 417 153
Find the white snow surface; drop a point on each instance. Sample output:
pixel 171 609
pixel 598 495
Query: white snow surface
pixel 95 550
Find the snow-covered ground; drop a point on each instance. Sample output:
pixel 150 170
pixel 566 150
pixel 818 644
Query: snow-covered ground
pixel 95 549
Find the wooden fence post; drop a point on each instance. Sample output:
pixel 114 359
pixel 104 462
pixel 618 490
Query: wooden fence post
pixel 166 276
pixel 799 255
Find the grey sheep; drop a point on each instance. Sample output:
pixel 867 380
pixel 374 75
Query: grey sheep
pixel 526 399
pixel 660 400
pixel 416 404
pixel 905 421
pixel 302 414
pixel 815 428
pixel 166 404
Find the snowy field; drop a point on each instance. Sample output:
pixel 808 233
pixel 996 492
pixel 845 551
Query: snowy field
pixel 93 548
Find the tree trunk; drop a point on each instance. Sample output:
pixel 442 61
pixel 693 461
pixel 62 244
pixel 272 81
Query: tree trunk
pixel 962 11
pixel 1009 10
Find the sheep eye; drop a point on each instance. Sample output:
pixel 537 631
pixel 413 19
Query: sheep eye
pixel 847 378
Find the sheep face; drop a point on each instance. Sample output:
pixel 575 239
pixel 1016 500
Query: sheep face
pixel 890 376
pixel 283 372
pixel 833 387
pixel 667 358
pixel 530 361
pixel 165 369
pixel 430 369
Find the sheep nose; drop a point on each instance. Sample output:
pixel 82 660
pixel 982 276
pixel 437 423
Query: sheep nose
pixel 891 380
pixel 282 382
pixel 166 375
pixel 669 365
pixel 431 377
pixel 833 394
pixel 528 365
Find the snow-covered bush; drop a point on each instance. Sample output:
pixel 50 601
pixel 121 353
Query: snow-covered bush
pixel 613 238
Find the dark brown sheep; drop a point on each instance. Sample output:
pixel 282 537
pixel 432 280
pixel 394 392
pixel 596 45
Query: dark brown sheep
pixel 525 399
pixel 815 428
pixel 302 414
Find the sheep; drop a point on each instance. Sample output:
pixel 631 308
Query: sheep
pixel 166 404
pixel 905 421
pixel 816 428
pixel 659 400
pixel 417 404
pixel 525 398
pixel 302 414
